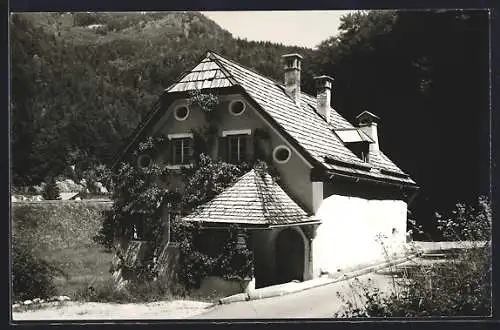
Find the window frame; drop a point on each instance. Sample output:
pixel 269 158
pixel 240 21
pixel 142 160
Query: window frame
pixel 277 149
pixel 185 144
pixel 241 137
pixel 179 107
pixel 143 156
pixel 182 138
pixel 231 107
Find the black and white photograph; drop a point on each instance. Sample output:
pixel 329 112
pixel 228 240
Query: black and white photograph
pixel 250 165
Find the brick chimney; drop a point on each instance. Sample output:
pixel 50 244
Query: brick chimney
pixel 367 121
pixel 323 95
pixel 292 75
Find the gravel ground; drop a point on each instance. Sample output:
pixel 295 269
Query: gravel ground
pixel 176 309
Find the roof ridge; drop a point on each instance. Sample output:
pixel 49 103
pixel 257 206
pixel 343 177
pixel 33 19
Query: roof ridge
pixel 249 69
pixel 260 191
pixel 224 70
pixel 277 82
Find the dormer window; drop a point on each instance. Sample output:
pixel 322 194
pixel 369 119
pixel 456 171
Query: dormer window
pixel 356 140
pixel 360 149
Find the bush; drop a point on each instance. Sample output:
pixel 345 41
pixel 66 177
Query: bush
pixel 461 286
pixel 133 292
pixel 51 190
pixel 467 222
pixel 31 276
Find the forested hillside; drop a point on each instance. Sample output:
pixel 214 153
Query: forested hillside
pixel 82 81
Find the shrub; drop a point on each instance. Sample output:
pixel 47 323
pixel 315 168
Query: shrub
pixel 461 286
pixel 467 222
pixel 51 190
pixel 233 262
pixel 133 292
pixel 31 276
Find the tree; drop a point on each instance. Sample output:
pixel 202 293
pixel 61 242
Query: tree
pixel 51 190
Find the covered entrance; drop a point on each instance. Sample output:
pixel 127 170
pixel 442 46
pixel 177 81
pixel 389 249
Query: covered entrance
pixel 280 239
pixel 290 256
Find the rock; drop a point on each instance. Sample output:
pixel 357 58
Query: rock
pixel 36 300
pixel 78 199
pixel 37 198
pixel 27 302
pixel 42 301
pixel 16 306
pixel 63 298
pixel 101 188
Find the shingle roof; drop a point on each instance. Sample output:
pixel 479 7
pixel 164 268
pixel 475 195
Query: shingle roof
pixel 300 121
pixel 207 74
pixel 255 199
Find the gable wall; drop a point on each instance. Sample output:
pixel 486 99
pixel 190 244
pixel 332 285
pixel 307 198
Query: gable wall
pixel 294 175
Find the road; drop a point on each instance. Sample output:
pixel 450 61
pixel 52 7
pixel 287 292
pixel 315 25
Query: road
pixel 319 302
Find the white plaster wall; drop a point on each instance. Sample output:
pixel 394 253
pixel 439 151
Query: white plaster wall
pixel 348 234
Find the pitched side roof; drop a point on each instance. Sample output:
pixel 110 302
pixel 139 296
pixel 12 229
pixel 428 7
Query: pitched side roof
pixel 306 126
pixel 301 122
pixel 255 199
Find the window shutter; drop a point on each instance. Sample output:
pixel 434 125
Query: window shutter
pixel 167 151
pixel 249 140
pixel 223 149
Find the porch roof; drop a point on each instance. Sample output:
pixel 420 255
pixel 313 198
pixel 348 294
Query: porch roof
pixel 256 200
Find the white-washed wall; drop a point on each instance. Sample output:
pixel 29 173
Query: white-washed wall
pixel 350 226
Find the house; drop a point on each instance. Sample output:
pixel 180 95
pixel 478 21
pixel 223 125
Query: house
pixel 338 196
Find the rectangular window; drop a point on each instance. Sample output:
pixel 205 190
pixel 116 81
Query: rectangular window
pixel 182 150
pixel 237 148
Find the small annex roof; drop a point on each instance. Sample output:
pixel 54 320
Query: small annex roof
pixel 367 117
pixel 254 200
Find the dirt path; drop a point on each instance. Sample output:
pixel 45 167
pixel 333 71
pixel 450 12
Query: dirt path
pixel 177 309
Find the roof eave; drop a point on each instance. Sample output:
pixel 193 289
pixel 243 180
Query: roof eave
pixel 386 181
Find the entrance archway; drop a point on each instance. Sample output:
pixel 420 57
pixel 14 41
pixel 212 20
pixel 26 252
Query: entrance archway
pixel 290 253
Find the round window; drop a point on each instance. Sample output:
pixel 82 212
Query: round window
pixel 181 113
pixel 144 161
pixel 282 154
pixel 237 107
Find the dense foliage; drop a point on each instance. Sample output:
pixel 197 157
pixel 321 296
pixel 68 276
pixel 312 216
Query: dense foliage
pixel 422 73
pixel 461 286
pixel 51 190
pixel 222 257
pixel 78 90
pixel 32 276
pixel 57 236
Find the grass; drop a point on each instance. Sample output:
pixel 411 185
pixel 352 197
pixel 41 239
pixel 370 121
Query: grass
pixel 61 233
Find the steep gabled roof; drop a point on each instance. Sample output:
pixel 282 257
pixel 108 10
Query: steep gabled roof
pixel 255 199
pixel 207 74
pixel 310 131
pixel 307 127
